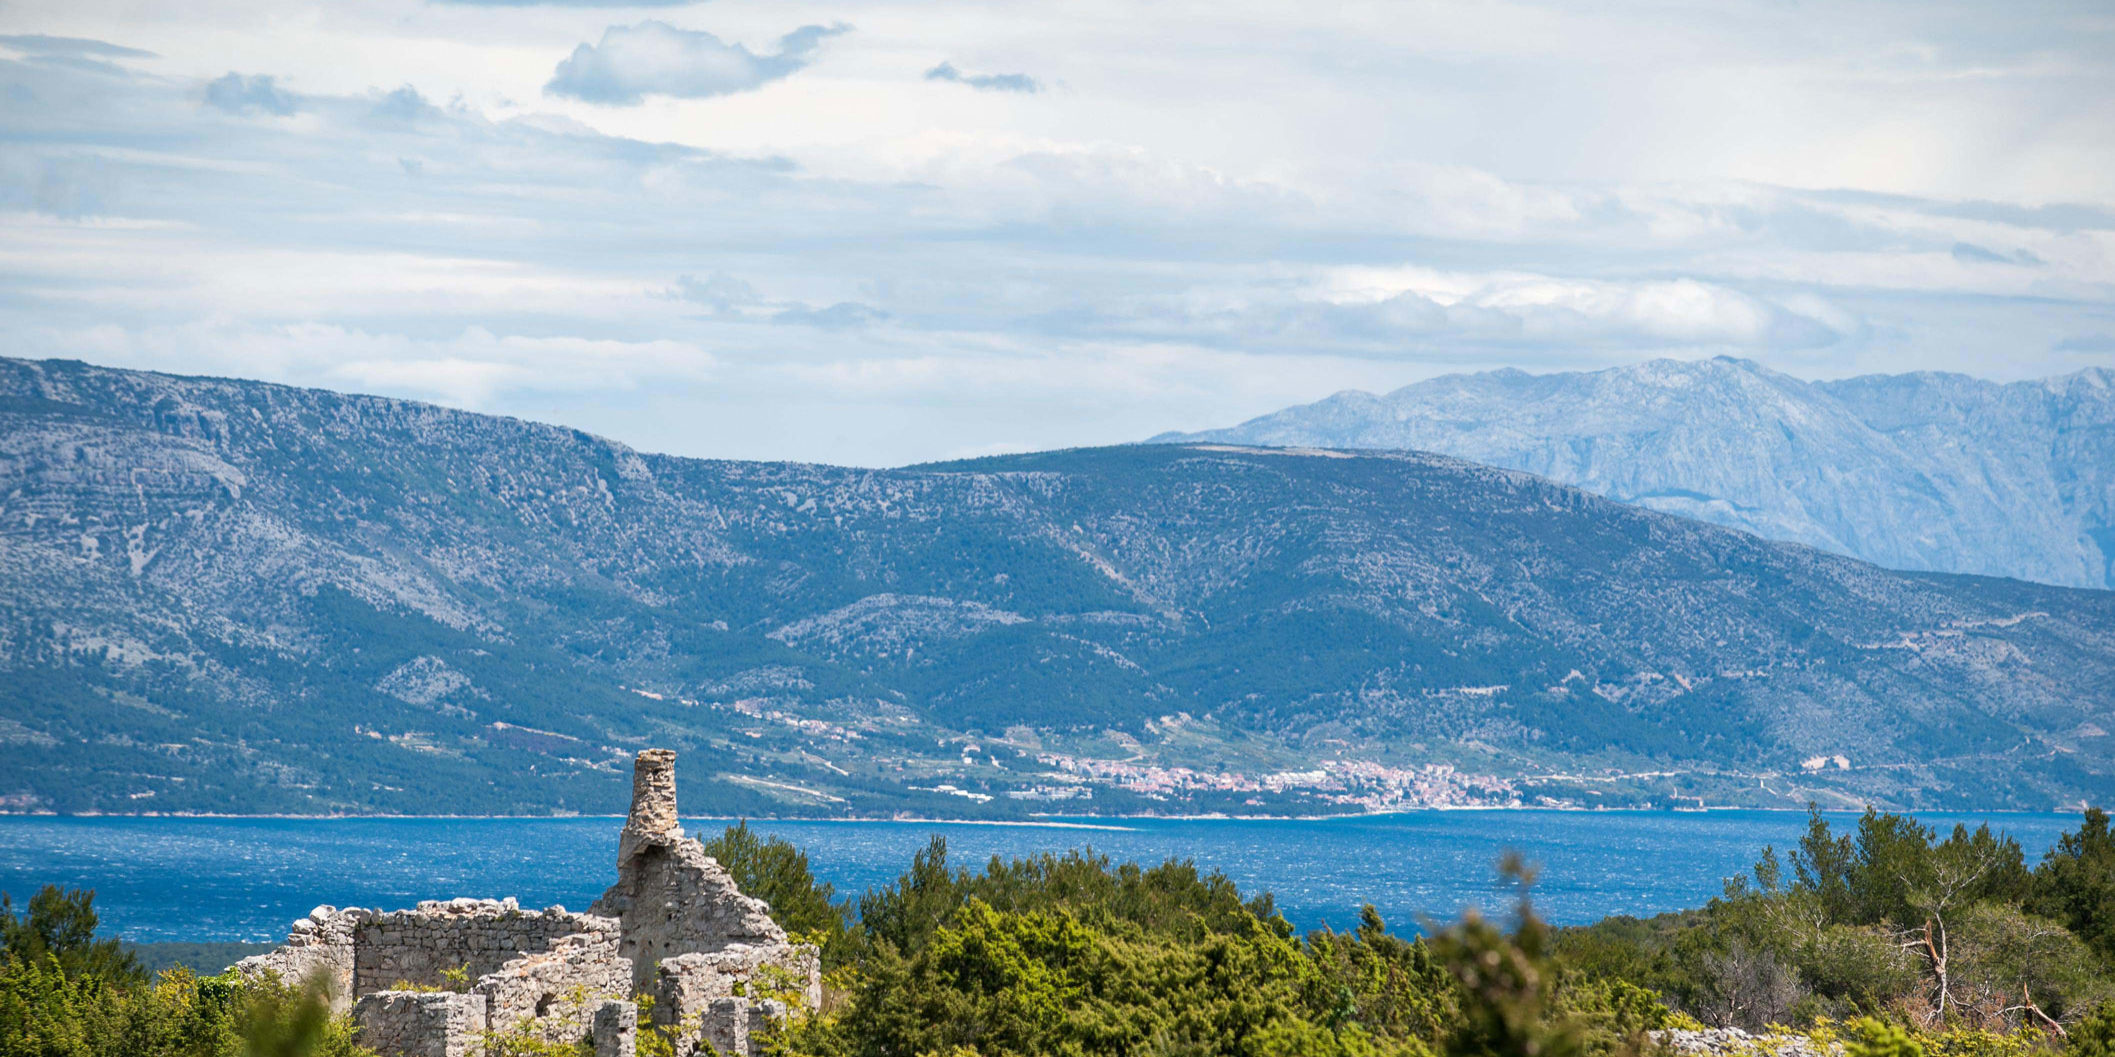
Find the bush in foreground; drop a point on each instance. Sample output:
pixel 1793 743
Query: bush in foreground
pixel 65 993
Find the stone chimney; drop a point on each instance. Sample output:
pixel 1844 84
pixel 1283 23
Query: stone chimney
pixel 653 818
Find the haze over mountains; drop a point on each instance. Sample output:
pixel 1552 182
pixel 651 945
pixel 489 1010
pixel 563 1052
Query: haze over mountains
pixel 226 595
pixel 1923 471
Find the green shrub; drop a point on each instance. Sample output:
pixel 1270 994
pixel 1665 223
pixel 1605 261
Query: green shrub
pixel 1869 1037
pixel 777 872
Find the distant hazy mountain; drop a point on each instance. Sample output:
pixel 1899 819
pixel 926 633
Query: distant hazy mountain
pixel 223 595
pixel 1914 471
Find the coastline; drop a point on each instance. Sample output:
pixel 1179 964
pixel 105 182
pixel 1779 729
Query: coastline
pixel 235 879
pixel 1047 821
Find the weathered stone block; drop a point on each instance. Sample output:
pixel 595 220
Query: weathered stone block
pixel 421 1023
pixel 553 995
pixel 687 983
pixel 615 1032
pixel 726 1027
pixel 480 936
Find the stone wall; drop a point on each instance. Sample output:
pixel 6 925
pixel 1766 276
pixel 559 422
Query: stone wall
pixel 735 1027
pixel 319 944
pixel 422 1023
pixel 555 994
pixel 726 1027
pixel 616 1029
pixel 687 982
pixel 674 923
pixel 673 899
pixel 725 998
pixel 568 994
pixel 416 946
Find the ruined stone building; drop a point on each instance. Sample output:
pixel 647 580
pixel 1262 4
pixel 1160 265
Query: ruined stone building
pixel 449 978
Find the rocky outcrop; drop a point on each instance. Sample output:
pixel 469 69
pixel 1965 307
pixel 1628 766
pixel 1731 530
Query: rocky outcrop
pixel 1733 1042
pixel 454 978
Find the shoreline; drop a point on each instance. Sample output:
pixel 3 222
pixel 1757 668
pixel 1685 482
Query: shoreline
pixel 1105 822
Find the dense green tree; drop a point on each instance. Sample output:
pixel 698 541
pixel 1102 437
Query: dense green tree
pixel 2075 883
pixel 1041 981
pixel 1073 954
pixel 44 1012
pixel 65 992
pixel 1389 984
pixel 62 923
pixel 1883 920
pixel 2093 1036
pixel 2001 958
pixel 1174 898
pixel 776 872
pixel 1870 1037
pixel 1890 870
pixel 1633 950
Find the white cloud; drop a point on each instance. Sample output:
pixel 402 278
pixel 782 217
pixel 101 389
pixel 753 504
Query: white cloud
pixel 1218 213
pixel 985 82
pixel 238 94
pixel 655 58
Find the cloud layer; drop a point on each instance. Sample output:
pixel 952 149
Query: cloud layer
pixel 41 44
pixel 862 264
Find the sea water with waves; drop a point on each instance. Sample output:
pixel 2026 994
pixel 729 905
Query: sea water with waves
pixel 226 879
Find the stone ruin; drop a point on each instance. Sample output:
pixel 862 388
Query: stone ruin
pixel 452 978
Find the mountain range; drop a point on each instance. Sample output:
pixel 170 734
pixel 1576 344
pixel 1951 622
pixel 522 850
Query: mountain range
pixel 1924 471
pixel 223 596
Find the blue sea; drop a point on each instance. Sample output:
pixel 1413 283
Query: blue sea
pixel 160 879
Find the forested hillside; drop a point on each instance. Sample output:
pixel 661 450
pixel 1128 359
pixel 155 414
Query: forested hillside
pixel 231 596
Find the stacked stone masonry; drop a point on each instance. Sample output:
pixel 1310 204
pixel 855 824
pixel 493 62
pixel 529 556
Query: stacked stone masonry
pixel 725 998
pixel 616 1029
pixel 422 1023
pixel 320 945
pixel 671 899
pixel 732 1025
pixel 454 978
pixel 417 947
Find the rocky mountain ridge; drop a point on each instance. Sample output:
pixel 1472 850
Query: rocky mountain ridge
pixel 231 596
pixel 1925 471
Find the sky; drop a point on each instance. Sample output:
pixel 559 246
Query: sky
pixel 876 233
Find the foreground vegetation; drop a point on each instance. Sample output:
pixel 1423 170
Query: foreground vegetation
pixel 1888 921
pixel 66 993
pixel 1888 939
